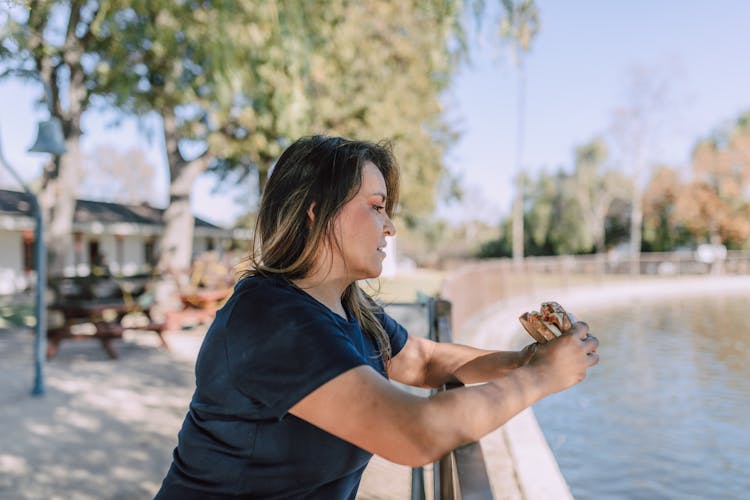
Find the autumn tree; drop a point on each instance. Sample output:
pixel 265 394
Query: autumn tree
pixel 715 206
pixel 662 229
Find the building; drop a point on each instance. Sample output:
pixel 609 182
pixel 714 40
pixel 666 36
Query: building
pixel 123 236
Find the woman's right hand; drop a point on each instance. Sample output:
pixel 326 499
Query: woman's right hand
pixel 562 362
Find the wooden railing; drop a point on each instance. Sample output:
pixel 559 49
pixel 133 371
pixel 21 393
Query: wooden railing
pixel 462 473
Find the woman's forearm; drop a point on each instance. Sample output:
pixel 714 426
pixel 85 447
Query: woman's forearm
pixel 456 417
pixel 459 363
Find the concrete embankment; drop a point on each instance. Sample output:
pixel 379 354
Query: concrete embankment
pixel 534 468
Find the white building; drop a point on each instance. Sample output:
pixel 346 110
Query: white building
pixel 124 236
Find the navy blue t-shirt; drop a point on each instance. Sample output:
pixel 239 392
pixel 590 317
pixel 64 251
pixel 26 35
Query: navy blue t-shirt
pixel 269 347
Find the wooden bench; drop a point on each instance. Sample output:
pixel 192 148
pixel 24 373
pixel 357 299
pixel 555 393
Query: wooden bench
pixel 199 306
pixel 92 307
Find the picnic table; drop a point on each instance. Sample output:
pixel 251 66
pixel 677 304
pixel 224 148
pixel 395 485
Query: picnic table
pixel 94 307
pixel 199 306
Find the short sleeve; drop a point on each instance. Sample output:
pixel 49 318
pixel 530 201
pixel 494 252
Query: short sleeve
pixel 279 351
pixel 396 333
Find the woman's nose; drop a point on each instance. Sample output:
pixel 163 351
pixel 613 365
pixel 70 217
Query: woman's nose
pixel 390 228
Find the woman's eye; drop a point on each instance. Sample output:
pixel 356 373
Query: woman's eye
pixel 378 208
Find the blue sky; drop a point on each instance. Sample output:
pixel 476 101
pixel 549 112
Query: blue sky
pixel 576 76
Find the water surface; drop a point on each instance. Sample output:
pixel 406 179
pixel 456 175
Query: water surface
pixel 666 413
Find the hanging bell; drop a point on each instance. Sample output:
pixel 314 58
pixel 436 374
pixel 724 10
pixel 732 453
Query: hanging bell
pixel 49 138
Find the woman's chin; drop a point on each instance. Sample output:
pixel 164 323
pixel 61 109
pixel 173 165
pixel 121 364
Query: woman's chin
pixel 373 273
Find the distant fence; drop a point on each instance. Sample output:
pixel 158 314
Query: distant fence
pixel 475 285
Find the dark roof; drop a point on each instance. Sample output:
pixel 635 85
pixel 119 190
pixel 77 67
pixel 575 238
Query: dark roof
pixel 19 204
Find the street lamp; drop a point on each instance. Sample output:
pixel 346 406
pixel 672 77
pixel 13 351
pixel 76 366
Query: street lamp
pixel 50 139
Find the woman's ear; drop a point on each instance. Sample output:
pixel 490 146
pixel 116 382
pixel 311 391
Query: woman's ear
pixel 311 212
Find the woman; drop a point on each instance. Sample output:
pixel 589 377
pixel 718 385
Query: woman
pixel 292 394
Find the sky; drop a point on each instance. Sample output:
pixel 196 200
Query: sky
pixel 576 78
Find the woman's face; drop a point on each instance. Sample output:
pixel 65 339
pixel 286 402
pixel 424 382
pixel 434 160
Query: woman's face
pixel 361 227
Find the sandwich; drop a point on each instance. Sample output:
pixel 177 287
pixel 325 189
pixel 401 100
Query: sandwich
pixel 548 323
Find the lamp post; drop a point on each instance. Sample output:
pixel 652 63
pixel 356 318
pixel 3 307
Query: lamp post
pixel 50 139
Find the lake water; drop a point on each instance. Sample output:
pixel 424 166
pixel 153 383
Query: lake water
pixel 666 413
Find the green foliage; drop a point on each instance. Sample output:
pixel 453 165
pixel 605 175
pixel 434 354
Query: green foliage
pixel 567 213
pixel 245 79
pixel 378 73
pixel 494 249
pixel 521 23
pixel 594 188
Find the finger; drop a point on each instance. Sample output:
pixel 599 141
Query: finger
pixel 591 343
pixel 592 358
pixel 579 330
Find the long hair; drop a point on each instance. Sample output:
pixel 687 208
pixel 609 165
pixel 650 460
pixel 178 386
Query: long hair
pixel 325 173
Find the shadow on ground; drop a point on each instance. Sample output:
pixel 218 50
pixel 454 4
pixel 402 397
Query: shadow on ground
pixel 105 428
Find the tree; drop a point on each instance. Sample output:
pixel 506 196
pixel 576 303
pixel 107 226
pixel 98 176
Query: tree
pixel 378 72
pixel 553 215
pixel 715 207
pixel 276 71
pixel 111 174
pixel 635 132
pixel 520 26
pixel 662 230
pixel 595 186
pixel 52 41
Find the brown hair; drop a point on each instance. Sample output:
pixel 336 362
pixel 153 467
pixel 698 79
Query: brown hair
pixel 325 173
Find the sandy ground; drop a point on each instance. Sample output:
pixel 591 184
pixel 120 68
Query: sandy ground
pixel 104 429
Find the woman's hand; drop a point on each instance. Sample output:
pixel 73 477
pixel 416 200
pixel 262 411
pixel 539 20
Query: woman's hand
pixel 562 363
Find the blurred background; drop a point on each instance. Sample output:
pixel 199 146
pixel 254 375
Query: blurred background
pixel 609 127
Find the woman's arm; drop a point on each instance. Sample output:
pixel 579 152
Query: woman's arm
pixel 361 407
pixel 424 363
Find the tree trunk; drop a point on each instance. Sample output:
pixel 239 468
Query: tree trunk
pixel 518 236
pixel 175 247
pixel 518 223
pixel 599 240
pixel 599 223
pixel 176 244
pixel 636 222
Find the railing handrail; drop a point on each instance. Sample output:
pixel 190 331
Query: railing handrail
pixel 462 473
